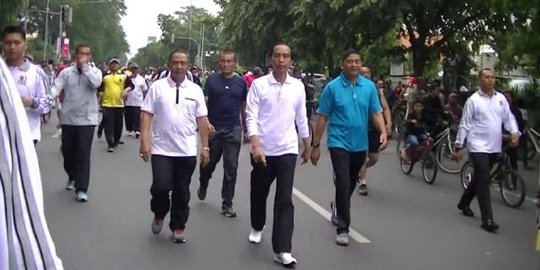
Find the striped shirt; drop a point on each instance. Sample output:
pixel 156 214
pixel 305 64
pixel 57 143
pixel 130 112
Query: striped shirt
pixel 25 242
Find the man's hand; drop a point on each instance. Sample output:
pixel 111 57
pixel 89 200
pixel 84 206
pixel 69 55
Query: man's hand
pixel 514 140
pixel 258 155
pixel 211 130
pixel 27 102
pixel 246 139
pixel 458 155
pixel 305 155
pixel 315 156
pixel 205 158
pixel 389 128
pixel 383 140
pixel 125 93
pixel 83 60
pixel 145 151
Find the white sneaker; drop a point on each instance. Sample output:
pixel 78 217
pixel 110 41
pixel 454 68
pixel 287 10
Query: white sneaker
pixel 285 259
pixel 131 133
pixel 255 237
pixel 81 196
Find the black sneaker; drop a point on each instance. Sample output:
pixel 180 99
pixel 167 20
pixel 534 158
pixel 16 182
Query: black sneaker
pixel 201 193
pixel 110 149
pixel 228 211
pixel 119 142
pixel 362 190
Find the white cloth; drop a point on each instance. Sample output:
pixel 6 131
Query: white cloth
pixel 136 96
pixel 482 122
pixel 30 84
pixel 25 242
pixel 272 111
pixel 175 109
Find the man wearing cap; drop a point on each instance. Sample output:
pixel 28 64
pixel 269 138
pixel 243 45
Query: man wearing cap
pixel 134 101
pixel 113 91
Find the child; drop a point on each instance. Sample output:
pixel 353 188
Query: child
pixel 415 130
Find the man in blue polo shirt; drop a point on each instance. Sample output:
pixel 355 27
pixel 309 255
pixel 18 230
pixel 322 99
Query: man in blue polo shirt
pixel 226 95
pixel 346 104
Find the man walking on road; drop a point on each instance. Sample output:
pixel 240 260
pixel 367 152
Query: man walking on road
pixel 484 115
pixel 346 104
pixel 114 90
pixel 276 105
pixel 27 79
pixel 78 118
pixel 134 101
pixel 175 108
pixel 226 102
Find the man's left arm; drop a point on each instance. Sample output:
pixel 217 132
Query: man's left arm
pixel 386 111
pixel 40 102
pixel 203 123
pixel 509 123
pixel 375 110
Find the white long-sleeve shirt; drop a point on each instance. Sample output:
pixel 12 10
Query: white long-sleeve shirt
pixel 274 110
pixel 482 122
pixel 136 96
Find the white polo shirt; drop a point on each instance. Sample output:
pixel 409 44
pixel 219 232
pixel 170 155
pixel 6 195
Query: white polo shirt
pixel 274 110
pixel 135 96
pixel 175 109
pixel 482 122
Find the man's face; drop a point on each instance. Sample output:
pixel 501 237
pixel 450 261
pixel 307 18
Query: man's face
pixel 83 52
pixel 179 64
pixel 452 99
pixel 135 71
pixel 365 72
pixel 281 58
pixel 114 66
pixel 487 80
pixel 13 46
pixel 380 84
pixel 351 65
pixel 227 63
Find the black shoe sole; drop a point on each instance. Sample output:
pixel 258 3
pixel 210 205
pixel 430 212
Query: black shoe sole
pixel 201 196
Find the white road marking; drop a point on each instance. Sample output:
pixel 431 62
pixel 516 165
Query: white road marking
pixel 319 209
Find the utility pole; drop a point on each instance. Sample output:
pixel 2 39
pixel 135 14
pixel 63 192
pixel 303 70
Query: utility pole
pixel 202 45
pixel 46 36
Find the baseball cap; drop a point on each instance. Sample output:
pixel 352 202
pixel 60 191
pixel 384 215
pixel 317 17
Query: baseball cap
pixel 114 60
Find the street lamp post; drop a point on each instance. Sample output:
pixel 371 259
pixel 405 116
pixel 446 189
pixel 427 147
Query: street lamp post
pixel 190 39
pixel 46 36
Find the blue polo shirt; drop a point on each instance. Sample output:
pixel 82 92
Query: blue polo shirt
pixel 348 108
pixel 225 97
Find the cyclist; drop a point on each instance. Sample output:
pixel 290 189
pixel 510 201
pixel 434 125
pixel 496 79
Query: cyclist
pixel 416 132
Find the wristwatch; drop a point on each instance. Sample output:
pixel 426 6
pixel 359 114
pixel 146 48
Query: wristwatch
pixel 315 145
pixel 206 148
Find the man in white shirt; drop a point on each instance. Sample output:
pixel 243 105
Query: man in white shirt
pixel 276 105
pixel 134 101
pixel 177 109
pixel 27 79
pixel 484 115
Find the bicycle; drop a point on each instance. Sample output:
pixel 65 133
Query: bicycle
pixel 425 155
pixel 532 144
pixel 445 151
pixel 511 184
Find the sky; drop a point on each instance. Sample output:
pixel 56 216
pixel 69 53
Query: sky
pixel 141 19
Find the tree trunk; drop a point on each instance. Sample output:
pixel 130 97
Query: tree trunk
pixel 419 53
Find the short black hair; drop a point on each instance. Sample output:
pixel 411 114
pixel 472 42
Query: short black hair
pixel 178 51
pixel 80 46
pixel 418 101
pixel 481 72
pixel 281 43
pixel 13 29
pixel 227 51
pixel 348 53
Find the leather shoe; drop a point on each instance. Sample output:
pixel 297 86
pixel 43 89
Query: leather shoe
pixel 490 226
pixel 466 211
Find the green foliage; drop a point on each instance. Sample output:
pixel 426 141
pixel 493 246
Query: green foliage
pixel 9 10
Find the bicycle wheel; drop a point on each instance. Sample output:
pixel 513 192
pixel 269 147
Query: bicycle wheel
pixel 445 161
pixel 512 189
pixel 429 167
pixel 400 142
pixel 405 165
pixel 466 174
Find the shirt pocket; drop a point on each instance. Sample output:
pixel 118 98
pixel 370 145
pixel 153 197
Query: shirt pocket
pixel 189 106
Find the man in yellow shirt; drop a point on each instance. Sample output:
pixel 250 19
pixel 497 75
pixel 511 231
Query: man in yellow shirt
pixel 114 89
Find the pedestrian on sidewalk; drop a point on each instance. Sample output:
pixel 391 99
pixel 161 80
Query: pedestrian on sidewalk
pixel 226 95
pixel 346 104
pixel 134 101
pixel 175 109
pixel 276 107
pixel 113 91
pixel 484 115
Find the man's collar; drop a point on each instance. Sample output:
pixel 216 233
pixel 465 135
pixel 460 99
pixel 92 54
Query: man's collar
pixel 482 94
pixel 172 83
pixel 24 67
pixel 345 82
pixel 272 80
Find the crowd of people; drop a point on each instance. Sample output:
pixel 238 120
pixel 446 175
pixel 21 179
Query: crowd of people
pixel 179 113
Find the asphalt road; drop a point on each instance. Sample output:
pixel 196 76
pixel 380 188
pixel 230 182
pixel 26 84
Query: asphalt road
pixel 403 224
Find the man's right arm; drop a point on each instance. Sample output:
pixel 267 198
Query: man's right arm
pixel 465 124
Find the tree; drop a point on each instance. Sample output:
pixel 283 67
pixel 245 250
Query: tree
pixel 9 11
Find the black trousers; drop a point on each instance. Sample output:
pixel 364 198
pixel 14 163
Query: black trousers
pixel 76 149
pixel 280 168
pixel 113 123
pixel 226 142
pixel 172 174
pixel 133 118
pixel 479 186
pixel 346 166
